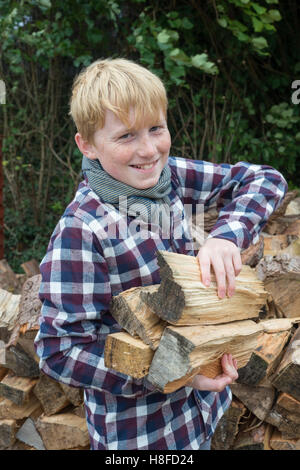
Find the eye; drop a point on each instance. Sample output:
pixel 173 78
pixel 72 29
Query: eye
pixel 125 136
pixel 155 128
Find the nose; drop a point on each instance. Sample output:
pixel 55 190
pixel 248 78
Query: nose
pixel 146 147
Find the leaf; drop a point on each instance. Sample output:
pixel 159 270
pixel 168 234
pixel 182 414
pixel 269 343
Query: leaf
pixel 257 25
pixel 167 35
pixel 259 42
pixel 180 56
pixel 222 22
pixel 275 15
pixel 200 62
pixel 163 37
pixel 45 3
pixel 241 36
pixel 186 24
pixel 258 8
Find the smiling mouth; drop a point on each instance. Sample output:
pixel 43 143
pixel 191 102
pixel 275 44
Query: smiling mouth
pixel 145 166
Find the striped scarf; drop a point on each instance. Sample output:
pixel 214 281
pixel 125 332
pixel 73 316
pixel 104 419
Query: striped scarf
pixel 111 190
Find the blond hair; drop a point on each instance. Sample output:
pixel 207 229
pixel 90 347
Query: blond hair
pixel 116 85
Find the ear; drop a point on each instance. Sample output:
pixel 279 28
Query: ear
pixel 87 149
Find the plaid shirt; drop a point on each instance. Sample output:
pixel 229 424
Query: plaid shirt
pixel 85 266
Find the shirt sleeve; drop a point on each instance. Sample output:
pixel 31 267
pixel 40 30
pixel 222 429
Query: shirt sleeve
pixel 74 322
pixel 244 194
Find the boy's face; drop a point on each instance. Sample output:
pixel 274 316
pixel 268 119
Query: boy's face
pixel 134 156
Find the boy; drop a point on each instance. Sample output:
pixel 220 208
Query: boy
pixel 96 251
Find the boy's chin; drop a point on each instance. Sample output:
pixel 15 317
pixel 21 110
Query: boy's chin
pixel 146 184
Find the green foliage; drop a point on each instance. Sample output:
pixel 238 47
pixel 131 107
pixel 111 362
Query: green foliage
pixel 228 66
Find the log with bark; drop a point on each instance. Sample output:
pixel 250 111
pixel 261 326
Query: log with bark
pixel 192 349
pixel 269 350
pixel 285 416
pixel 136 317
pixel 281 277
pixel 182 299
pixel 198 350
pixel 63 431
pixel 286 378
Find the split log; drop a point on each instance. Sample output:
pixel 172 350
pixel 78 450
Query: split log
pixel 73 394
pixel 269 350
pixel 293 228
pixel 192 349
pixel 20 353
pixel 254 253
pixel 3 372
pixel 31 268
pixel 293 208
pixel 9 410
pixel 20 362
pixel 9 307
pixel 50 395
pixel 17 389
pixel 63 431
pixel 286 224
pixel 128 355
pixel 288 198
pixel 293 249
pixel 287 376
pixel 80 411
pixel 198 350
pixel 228 426
pixel 29 435
pixel 8 279
pixel 271 309
pixel 259 400
pixel 281 277
pixel 256 438
pixel 27 321
pixel 8 429
pixel 275 243
pixel 285 416
pixel 182 299
pixel 277 442
pixel 135 317
pixel 277 325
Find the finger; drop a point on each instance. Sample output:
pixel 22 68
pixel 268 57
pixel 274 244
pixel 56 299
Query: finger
pixel 237 263
pixel 230 276
pixel 213 385
pixel 220 273
pixel 229 367
pixel 204 263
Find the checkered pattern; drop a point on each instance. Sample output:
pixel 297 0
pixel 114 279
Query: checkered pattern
pixel 94 253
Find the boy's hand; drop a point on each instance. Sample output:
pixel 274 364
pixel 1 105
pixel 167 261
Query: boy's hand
pixel 229 375
pixel 224 256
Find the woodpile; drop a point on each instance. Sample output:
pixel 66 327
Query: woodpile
pixel 179 328
pixel 36 412
pixel 171 332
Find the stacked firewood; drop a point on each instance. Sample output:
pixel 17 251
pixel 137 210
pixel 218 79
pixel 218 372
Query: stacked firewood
pixel 36 412
pixel 179 328
pixel 171 332
pixel 265 412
